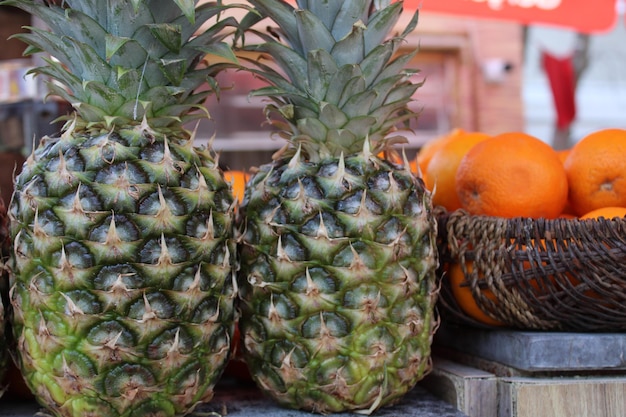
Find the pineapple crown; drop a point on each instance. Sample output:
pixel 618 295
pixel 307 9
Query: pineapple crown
pixel 121 62
pixel 339 79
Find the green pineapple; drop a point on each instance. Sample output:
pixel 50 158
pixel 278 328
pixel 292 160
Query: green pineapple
pixel 123 269
pixel 4 355
pixel 5 244
pixel 337 246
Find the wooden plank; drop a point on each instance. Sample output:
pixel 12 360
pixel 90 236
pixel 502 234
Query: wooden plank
pixel 470 390
pixel 562 397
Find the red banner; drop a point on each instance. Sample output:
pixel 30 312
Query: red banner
pixel 584 16
pixel 560 72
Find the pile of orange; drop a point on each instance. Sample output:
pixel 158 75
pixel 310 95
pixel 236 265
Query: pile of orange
pixel 517 175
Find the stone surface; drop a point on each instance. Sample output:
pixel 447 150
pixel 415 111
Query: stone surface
pixel 236 400
pixel 539 351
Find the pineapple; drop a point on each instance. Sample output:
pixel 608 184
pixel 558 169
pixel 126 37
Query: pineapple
pixel 5 243
pixel 337 246
pixel 122 282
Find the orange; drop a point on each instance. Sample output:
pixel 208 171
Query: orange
pixel 606 212
pixel 512 175
pixel 465 299
pixel 441 170
pixel 568 211
pixel 238 180
pixel 563 154
pixel 427 150
pixel 596 171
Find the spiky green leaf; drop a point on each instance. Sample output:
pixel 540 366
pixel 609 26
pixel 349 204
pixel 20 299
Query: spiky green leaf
pixel 289 61
pixel 339 81
pixel 312 33
pixel 312 128
pixel 375 62
pixel 350 49
pixel 221 50
pixel 282 14
pixel 352 12
pixel 174 70
pixel 381 24
pixel 325 10
pixel 353 87
pixel 332 116
pixel 359 104
pixel 100 95
pixel 188 8
pixel 320 70
pixel 169 35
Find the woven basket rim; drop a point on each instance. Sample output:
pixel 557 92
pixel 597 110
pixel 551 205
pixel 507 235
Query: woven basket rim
pixel 541 274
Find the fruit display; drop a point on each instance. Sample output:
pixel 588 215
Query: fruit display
pixel 515 174
pixel 124 256
pixel 337 250
pixel 536 240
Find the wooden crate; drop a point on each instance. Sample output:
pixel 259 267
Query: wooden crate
pixel 471 390
pixel 479 393
pixel 562 397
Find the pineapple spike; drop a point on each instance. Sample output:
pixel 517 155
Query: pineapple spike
pixel 322 232
pixel 65 176
pixel 226 263
pixel 64 263
pixel 295 160
pixel 405 161
pixel 281 255
pixel 272 312
pixel 77 206
pixel 38 230
pixel 311 288
pixel 112 344
pixel 165 259
pixel 209 235
pixel 367 151
pixel 72 308
pixel 112 238
pixel 357 263
pixel 394 187
pixel 149 313
pixel 176 343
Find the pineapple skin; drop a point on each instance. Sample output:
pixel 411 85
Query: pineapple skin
pixel 122 269
pixel 4 354
pixel 5 248
pixel 337 282
pixel 122 274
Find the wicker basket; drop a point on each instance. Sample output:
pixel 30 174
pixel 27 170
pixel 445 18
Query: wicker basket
pixel 561 274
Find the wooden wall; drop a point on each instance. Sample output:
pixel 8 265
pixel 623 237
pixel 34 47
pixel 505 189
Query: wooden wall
pixel 485 106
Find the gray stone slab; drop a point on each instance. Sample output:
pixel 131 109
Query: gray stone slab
pixel 539 351
pixel 234 400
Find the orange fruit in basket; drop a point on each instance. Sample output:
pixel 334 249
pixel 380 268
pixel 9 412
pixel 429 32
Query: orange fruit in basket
pixel 563 154
pixel 464 297
pixel 596 171
pixel 441 170
pixel 427 150
pixel 238 180
pixel 512 175
pixel 606 212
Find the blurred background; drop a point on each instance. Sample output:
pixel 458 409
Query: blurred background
pixel 551 68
